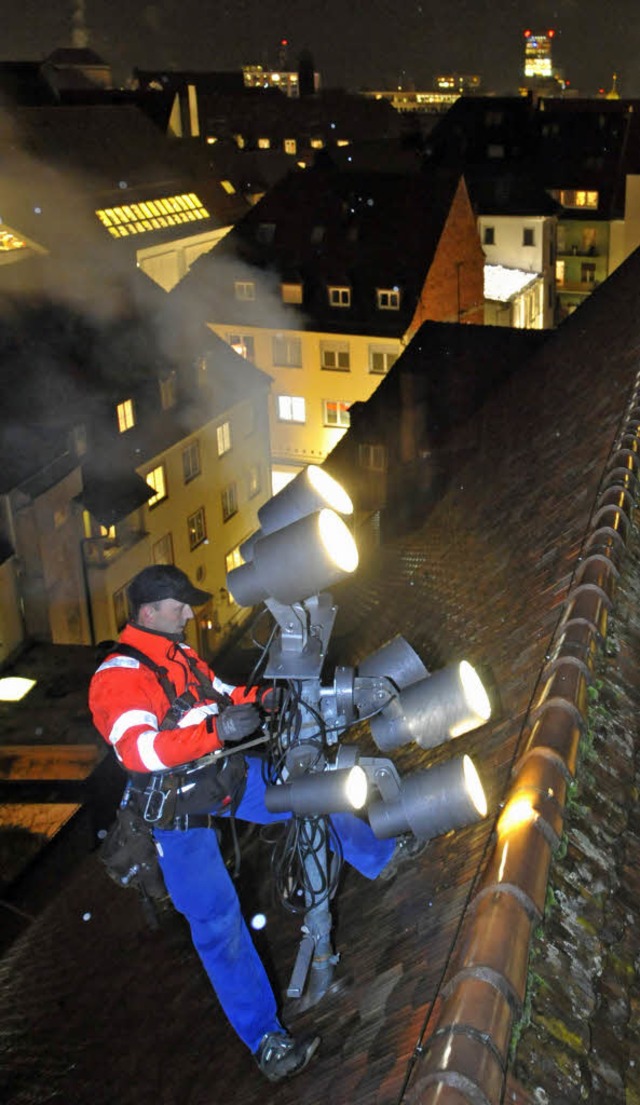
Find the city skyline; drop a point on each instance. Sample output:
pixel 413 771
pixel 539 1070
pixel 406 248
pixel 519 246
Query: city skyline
pixel 373 44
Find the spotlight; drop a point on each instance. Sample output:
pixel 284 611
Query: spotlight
pixel 429 803
pixel 293 563
pixel 319 793
pixel 312 490
pixel 397 661
pixel 446 704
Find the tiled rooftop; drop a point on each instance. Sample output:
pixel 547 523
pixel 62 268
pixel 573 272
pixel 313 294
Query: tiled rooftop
pixel 516 569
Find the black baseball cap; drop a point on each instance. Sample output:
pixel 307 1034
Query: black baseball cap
pixel 164 581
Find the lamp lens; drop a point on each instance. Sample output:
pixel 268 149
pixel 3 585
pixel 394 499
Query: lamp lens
pixel 329 490
pixel 357 787
pixel 475 790
pixel 338 541
pixel 476 701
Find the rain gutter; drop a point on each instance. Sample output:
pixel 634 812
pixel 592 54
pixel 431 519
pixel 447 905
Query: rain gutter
pixel 464 1057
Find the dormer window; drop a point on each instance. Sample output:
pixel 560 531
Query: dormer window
pixel 291 293
pixel 265 233
pixel 126 415
pixel 339 296
pixel 388 299
pixel 245 289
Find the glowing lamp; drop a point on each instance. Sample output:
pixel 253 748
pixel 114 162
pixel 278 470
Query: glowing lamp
pixel 445 705
pixel 318 793
pixel 296 562
pixel 13 688
pixel 429 803
pixel 312 490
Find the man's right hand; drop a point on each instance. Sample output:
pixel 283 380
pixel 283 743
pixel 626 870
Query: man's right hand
pixel 237 722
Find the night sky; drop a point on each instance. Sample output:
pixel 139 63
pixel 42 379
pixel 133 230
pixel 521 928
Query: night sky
pixel 354 43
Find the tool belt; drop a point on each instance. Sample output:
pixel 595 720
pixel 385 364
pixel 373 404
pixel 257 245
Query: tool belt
pixel 185 797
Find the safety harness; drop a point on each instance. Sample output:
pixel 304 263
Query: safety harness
pixel 186 797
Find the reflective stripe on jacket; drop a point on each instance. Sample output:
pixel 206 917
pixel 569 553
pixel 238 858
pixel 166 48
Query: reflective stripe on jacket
pixel 128 704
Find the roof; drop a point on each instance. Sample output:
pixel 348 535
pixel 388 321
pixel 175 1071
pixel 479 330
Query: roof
pixel 363 231
pixel 516 567
pixel 556 143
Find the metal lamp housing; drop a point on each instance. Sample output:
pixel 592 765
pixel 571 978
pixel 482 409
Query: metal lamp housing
pixel 448 703
pixel 296 562
pixel 429 803
pixel 319 793
pixel 312 490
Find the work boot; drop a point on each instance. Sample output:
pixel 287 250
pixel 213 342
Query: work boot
pixel 280 1056
pixel 407 848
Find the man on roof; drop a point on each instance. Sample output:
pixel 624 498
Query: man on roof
pixel 162 709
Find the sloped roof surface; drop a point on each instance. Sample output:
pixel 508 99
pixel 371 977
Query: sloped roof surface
pixel 559 144
pixel 358 230
pixel 484 576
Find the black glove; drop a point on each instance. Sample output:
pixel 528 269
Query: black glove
pixel 271 699
pixel 237 722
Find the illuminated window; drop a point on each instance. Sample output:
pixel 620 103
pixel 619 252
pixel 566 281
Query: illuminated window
pixel 528 236
pixel 245 289
pixel 138 218
pixel 10 241
pixel 108 532
pixel 335 356
pixel 560 273
pixel 191 461
pixel 264 143
pixel 291 408
pixel 233 559
pixel 223 436
pixel 229 498
pixel 197 528
pixel 240 142
pixel 570 197
pixel 317 143
pixel 291 293
pixel 290 145
pixel 335 413
pixel 489 237
pixel 157 479
pixel 286 351
pixel 343 142
pixel 162 550
pixel 381 358
pixel 243 344
pixel 120 608
pixel 339 297
pixel 228 187
pixel 388 299
pixel 373 457
pixel 254 480
pixel 168 391
pixel 126 415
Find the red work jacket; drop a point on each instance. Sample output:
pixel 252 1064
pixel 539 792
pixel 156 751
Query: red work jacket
pixel 128 704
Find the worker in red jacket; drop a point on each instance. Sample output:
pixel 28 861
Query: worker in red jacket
pixel 161 708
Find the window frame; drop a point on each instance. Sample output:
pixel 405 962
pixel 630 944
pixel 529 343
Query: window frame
pixel 229 501
pixel 289 359
pixel 293 400
pixel 223 438
pixel 339 295
pixel 126 415
pixel 388 299
pixel 337 350
pixel 245 290
pixel 342 419
pixel 162 493
pixel 194 470
pixel 197 528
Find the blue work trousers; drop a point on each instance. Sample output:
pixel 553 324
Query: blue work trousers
pixel 201 888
